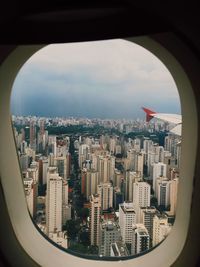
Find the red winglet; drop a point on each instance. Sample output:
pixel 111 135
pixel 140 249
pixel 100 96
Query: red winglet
pixel 148 114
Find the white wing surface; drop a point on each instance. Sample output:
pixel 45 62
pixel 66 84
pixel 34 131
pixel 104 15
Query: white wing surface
pixel 172 118
pixel 175 119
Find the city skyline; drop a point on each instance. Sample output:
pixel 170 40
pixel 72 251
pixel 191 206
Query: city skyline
pixel 100 191
pixel 105 79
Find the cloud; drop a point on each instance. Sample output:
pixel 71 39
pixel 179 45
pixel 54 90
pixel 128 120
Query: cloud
pixel 104 78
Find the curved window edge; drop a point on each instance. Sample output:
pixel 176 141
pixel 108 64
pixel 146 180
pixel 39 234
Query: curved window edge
pixel 39 249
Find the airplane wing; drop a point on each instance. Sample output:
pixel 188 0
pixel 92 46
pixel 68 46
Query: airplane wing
pixel 177 130
pixel 171 118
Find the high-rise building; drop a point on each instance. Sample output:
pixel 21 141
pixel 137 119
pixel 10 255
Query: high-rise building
pixel 61 164
pixel 52 144
pixel 42 138
pixel 178 154
pixel 33 171
pixel 163 191
pixel 131 154
pixel 102 168
pixel 94 222
pixel 119 249
pixel 94 161
pixel 146 217
pixel 32 134
pixel 173 195
pixel 40 174
pixel 141 197
pixel 91 183
pixel 51 160
pixel 140 239
pixel 24 162
pixel 109 233
pixel 111 168
pixel 31 189
pixel 106 168
pixel 127 218
pixel 45 165
pixel 171 142
pixel 54 203
pixel 118 198
pixel 112 145
pixel 161 228
pixel 151 159
pixel 51 170
pixel 41 125
pixel 159 169
pixel 139 163
pixel 131 178
pixel 105 191
pixel 23 146
pixel 147 144
pixel 118 176
pixel 84 151
pixel 137 144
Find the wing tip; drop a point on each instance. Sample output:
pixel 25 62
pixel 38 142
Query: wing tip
pixel 148 113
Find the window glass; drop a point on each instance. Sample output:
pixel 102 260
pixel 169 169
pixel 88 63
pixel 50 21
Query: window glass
pixel 100 172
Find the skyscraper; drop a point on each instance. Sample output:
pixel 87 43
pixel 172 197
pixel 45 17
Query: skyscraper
pixel 119 249
pixel 95 211
pixel 141 194
pixel 45 165
pixel 91 183
pixel 141 197
pixel 109 233
pixel 61 164
pixel 140 239
pixel 173 195
pixel 118 198
pixel 131 178
pixel 54 203
pixel 66 208
pixel 84 150
pixel 30 187
pixel 32 134
pixel 159 169
pixel 106 168
pixel 146 217
pixel 160 228
pixel 127 218
pixel 41 125
pixel 163 191
pixel 139 163
pixel 105 191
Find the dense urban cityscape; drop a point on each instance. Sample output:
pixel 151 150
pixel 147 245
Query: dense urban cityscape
pixel 99 187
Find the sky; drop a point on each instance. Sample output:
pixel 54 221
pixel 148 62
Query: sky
pixel 102 79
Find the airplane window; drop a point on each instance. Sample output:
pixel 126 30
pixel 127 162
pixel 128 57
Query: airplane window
pixel 97 128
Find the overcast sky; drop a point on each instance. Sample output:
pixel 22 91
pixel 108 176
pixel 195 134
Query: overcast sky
pixel 104 79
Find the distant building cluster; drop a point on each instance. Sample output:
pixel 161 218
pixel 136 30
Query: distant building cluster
pixel 128 184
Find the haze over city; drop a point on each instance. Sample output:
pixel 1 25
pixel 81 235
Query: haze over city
pixel 104 79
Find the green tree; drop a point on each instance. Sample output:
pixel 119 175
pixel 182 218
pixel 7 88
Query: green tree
pixel 72 227
pixel 83 212
pixel 84 238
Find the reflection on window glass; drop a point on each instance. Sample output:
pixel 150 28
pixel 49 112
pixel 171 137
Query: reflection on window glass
pixel 100 173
